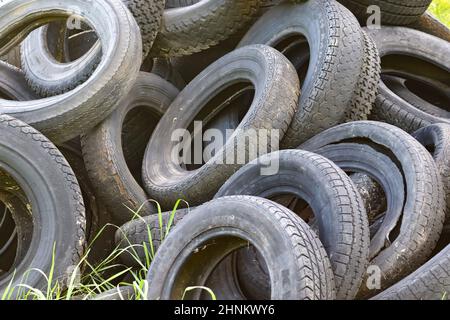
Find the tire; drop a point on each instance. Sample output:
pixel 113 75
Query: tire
pixel 134 235
pixel 13 85
pixel 429 282
pixel 395 12
pixel 103 148
pixel 191 29
pixel 423 213
pixel 49 77
pixel 429 24
pixel 352 62
pixel 99 236
pixel 61 216
pixel 64 117
pixel 164 68
pixel 335 223
pixel 275 82
pixel 302 272
pixel 373 197
pixel 353 157
pixel 399 86
pixel 422 60
pixel 436 138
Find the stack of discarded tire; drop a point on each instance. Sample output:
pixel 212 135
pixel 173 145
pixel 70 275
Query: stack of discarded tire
pixel 91 93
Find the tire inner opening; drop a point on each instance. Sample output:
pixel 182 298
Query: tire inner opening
pixel 224 112
pixel 214 262
pixel 297 50
pixel 68 43
pixel 426 80
pixel 16 224
pixel 137 129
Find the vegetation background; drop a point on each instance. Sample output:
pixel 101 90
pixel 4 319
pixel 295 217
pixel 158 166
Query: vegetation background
pixel 441 10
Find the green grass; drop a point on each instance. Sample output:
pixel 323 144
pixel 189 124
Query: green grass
pixel 441 10
pixel 99 278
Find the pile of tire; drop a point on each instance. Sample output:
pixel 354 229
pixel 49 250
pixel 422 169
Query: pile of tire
pixel 92 92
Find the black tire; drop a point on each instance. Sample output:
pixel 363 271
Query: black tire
pixel 64 117
pixel 275 83
pixel 424 215
pixel 60 218
pixel 354 157
pixel 165 68
pixel 336 223
pixel 302 272
pixel 436 138
pixel 423 60
pixel 430 282
pixel 115 177
pixel 395 12
pixel 191 29
pixel 49 77
pixel 13 84
pixel 351 60
pixel 99 237
pixel 134 235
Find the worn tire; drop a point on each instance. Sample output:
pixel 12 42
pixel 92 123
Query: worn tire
pixel 276 84
pixel 423 214
pixel 337 55
pixel 430 282
pixel 395 12
pixel 436 138
pixel 194 28
pixel 103 148
pixel 302 271
pixel 368 160
pixel 99 236
pixel 336 223
pixel 423 60
pixel 60 218
pixel 63 117
pixel 49 77
pixel 134 235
